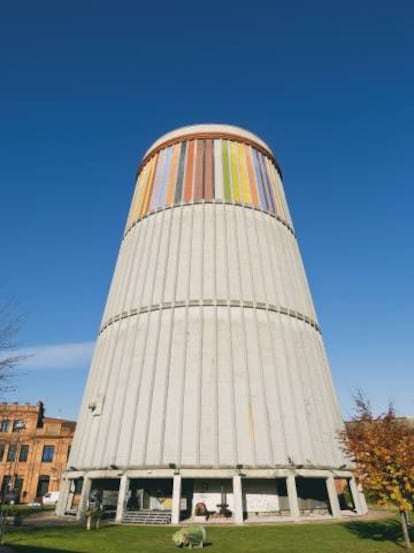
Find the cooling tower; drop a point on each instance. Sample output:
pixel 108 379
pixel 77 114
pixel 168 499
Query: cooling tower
pixel 209 392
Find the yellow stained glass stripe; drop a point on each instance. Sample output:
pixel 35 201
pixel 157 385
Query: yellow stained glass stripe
pixel 246 198
pixel 148 185
pixel 139 192
pixel 142 186
pixel 134 205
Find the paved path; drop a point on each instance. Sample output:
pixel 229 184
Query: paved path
pixel 48 518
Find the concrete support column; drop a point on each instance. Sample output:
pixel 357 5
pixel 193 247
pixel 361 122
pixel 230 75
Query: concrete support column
pixel 63 497
pixel 358 497
pixel 123 490
pixel 83 502
pixel 292 496
pixel 176 499
pixel 238 499
pixel 333 497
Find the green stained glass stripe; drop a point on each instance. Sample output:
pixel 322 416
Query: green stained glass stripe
pixel 180 174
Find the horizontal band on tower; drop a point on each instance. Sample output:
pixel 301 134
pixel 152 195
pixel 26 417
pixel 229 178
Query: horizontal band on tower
pixel 211 303
pixel 212 136
pixel 209 169
pixel 209 202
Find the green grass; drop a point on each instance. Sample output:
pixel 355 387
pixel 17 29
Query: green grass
pixel 352 537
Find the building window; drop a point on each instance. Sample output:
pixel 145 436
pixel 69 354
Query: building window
pixel 5 485
pixel 4 425
pixel 2 448
pixel 11 454
pixel 42 485
pixel 78 485
pixel 18 486
pixel 18 425
pixel 48 451
pixel 67 458
pixel 24 453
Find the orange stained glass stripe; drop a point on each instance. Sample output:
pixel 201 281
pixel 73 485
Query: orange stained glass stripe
pixel 199 170
pixel 251 176
pixel 173 174
pixel 243 175
pixel 149 185
pixel 188 191
pixel 208 170
pixel 234 157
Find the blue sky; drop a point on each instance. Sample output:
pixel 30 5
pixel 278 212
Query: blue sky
pixel 86 87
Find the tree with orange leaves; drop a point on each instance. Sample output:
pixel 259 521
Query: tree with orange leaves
pixel 383 451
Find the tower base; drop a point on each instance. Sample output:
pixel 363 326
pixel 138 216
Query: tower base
pixel 212 495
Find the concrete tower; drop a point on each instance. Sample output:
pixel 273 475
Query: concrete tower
pixel 209 388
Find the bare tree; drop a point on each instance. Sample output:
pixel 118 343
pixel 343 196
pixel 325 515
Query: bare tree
pixel 10 323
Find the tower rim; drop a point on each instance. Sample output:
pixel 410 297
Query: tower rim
pixel 208 131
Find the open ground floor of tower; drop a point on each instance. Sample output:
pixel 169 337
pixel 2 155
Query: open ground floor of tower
pixel 215 496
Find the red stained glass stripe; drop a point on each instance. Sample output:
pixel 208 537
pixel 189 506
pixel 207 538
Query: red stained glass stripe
pixel 199 172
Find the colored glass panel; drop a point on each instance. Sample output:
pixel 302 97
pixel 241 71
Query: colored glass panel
pixel 142 187
pixel 218 169
pixel 259 181
pixel 161 200
pixel 180 175
pixel 267 184
pixel 251 176
pixel 189 176
pixel 234 154
pixel 243 174
pixel 173 174
pixel 150 184
pixel 278 199
pixel 153 203
pixel 199 171
pixel 208 170
pixel 226 171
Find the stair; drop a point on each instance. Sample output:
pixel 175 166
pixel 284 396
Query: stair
pixel 147 517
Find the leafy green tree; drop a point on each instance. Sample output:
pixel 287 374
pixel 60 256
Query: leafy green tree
pixel 383 450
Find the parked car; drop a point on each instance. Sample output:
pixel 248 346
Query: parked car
pixel 50 498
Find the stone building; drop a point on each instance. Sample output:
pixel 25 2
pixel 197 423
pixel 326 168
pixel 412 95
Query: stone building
pixel 34 451
pixel 209 389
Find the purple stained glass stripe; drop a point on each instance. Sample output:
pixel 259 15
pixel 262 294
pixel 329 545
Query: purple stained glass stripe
pixel 157 179
pixel 267 183
pixel 162 191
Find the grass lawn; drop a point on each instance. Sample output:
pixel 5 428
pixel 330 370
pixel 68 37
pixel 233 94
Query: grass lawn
pixel 352 537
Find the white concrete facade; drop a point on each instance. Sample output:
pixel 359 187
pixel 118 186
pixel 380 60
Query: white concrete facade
pixel 209 357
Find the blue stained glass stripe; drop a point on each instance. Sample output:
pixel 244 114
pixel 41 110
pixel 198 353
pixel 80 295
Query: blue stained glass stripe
pixel 268 186
pixel 180 174
pixel 260 187
pixel 157 181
